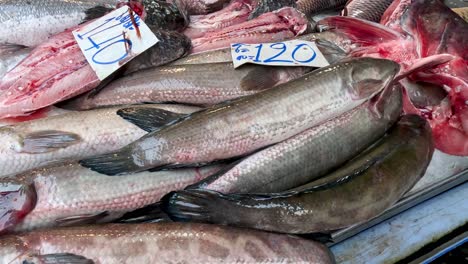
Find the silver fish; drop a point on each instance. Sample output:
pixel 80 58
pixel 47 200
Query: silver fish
pixel 29 23
pixel 202 84
pixel 68 194
pixel 368 10
pixel 310 154
pixel 72 135
pixel 159 243
pixel 8 60
pixel 360 190
pixel 246 124
pixel 325 42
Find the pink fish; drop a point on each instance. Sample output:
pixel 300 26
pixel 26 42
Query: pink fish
pixel 236 12
pixel 282 24
pixel 421 35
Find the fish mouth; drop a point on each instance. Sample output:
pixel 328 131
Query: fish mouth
pixel 16 201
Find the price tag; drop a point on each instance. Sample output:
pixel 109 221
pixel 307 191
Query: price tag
pixel 285 53
pixel 113 40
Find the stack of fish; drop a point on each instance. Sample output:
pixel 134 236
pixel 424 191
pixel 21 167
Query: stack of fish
pixel 178 135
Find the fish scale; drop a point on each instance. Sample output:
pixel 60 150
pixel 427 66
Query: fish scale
pixel 310 154
pixel 30 23
pixel 161 242
pixel 278 113
pixel 99 131
pixel 69 190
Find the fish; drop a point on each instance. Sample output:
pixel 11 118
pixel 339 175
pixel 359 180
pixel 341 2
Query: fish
pixel 8 60
pixel 241 126
pixel 360 190
pixel 310 154
pixel 200 7
pixel 462 12
pixel 407 36
pixel 159 242
pixel 201 84
pixel 57 70
pixel 266 6
pixel 68 194
pixel 311 7
pixel 368 10
pixel 74 135
pixel 30 23
pixel 281 24
pixel 236 12
pixel 329 45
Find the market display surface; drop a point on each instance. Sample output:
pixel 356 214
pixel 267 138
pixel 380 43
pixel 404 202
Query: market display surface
pixel 197 131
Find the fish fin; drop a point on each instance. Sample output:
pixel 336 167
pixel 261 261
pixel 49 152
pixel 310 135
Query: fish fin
pixel 149 119
pixel 96 12
pixel 48 141
pixel 378 102
pixel 149 214
pixel 57 258
pixel 259 78
pixel 191 205
pixel 111 164
pixel 7 48
pixel 202 184
pixel 103 84
pixel 423 64
pixel 361 31
pixel 85 219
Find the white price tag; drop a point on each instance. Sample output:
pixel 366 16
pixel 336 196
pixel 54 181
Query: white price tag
pixel 113 40
pixel 285 53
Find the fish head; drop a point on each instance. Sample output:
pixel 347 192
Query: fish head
pixel 296 20
pixel 369 76
pixel 17 199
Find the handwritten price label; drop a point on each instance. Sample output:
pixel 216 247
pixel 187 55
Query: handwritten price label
pixel 286 53
pixel 113 40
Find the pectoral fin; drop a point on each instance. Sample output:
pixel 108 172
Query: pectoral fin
pixel 81 219
pixel 48 141
pixel 58 258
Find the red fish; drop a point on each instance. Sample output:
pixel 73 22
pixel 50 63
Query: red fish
pixel 279 25
pixel 236 12
pixel 54 71
pixel 421 35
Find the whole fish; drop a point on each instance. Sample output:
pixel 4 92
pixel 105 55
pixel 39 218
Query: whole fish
pixel 57 70
pixel 310 154
pixel 368 10
pixel 310 7
pixel 68 194
pixel 159 243
pixel 329 45
pixel 201 84
pixel 281 24
pixel 249 123
pixel 30 23
pixel 462 12
pixel 407 35
pixel 266 6
pixel 11 58
pixel 360 190
pixel 236 12
pixel 73 135
pixel 200 7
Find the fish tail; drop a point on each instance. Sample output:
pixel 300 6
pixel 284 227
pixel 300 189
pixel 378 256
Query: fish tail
pixel 117 163
pixel 16 201
pixel 192 205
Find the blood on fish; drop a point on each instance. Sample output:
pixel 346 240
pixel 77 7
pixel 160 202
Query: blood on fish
pixel 16 201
